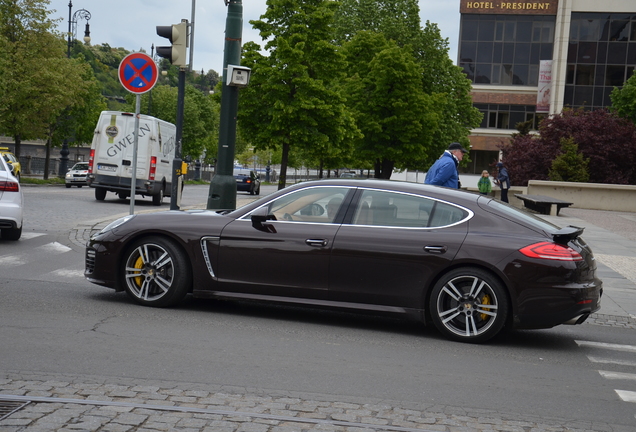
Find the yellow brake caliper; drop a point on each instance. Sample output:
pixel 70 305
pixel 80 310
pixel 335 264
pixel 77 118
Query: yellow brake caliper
pixel 485 300
pixel 139 264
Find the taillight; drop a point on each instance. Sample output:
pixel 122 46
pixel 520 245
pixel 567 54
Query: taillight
pixel 9 186
pixel 91 157
pixel 153 167
pixel 551 251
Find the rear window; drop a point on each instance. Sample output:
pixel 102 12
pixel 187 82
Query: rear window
pixel 528 218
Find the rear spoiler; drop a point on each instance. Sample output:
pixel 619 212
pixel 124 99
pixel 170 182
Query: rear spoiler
pixel 564 235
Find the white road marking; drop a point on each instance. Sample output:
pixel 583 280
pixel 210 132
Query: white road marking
pixel 617 375
pixel 611 361
pixel 627 396
pixel 27 236
pixel 68 273
pixel 615 347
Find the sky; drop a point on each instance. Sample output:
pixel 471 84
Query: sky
pixel 131 24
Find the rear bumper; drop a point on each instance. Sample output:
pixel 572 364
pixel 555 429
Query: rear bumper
pixel 566 305
pixel 122 184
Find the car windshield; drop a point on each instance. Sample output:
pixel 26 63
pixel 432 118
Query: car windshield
pixel 80 167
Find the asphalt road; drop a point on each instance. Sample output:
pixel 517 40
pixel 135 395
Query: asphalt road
pixel 54 322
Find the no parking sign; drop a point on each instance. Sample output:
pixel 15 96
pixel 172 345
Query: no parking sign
pixel 138 73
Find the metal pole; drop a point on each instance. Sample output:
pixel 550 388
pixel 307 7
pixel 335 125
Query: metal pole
pixel 133 175
pixel 222 193
pixel 194 5
pixel 176 164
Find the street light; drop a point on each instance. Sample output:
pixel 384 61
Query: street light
pixel 72 33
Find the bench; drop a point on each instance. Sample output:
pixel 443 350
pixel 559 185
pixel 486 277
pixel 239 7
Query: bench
pixel 543 204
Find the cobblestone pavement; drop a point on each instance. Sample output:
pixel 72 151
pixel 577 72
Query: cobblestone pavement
pixel 63 403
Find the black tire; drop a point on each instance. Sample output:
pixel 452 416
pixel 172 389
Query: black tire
pixel 79 186
pixel 100 194
pixel 469 305
pixel 12 234
pixel 155 272
pixel 156 199
pixel 68 185
pixel 122 195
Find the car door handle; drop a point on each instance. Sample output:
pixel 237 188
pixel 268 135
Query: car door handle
pixel 436 249
pixel 316 242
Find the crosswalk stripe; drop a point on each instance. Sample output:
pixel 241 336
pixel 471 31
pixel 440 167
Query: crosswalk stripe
pixel 611 361
pixel 627 396
pixel 30 235
pixel 14 260
pixel 617 375
pixel 615 347
pixel 68 273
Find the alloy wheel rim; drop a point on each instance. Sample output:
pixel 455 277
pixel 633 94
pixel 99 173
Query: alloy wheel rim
pixel 149 272
pixel 467 306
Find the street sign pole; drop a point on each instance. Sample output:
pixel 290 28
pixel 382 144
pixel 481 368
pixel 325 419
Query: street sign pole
pixel 133 176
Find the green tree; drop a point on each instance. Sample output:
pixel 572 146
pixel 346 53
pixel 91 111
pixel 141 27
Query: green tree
pixel 569 165
pixel 292 100
pixel 392 111
pixel 445 83
pixel 624 99
pixel 37 81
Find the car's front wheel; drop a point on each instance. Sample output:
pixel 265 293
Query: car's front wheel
pixel 156 272
pixel 469 305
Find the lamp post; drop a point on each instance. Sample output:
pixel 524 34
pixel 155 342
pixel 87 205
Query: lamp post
pixel 72 33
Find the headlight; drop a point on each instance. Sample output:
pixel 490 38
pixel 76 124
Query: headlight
pixel 115 224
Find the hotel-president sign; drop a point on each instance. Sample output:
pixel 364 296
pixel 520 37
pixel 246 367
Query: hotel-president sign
pixel 527 7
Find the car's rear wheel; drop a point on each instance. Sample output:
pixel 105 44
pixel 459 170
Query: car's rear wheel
pixel 469 305
pixel 100 194
pixel 156 199
pixel 156 272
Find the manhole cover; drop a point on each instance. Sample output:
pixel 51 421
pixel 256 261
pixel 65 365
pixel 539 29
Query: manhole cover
pixel 8 407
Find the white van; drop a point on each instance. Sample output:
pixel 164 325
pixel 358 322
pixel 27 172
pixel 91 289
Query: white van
pixel 112 150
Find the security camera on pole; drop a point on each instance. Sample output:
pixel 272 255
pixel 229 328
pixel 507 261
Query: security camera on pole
pixel 176 54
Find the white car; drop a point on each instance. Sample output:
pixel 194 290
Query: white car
pixel 77 176
pixel 11 201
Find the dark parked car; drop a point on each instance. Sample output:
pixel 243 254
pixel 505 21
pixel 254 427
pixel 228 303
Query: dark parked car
pixel 466 263
pixel 248 181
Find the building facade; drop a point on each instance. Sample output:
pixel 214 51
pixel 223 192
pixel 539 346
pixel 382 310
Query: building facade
pixel 532 58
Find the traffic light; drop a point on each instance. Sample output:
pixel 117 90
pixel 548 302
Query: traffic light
pixel 178 35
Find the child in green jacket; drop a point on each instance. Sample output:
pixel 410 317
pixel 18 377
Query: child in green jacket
pixel 484 185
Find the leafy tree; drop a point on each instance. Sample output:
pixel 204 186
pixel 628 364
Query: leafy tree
pixel 604 138
pixel 392 110
pixel 37 81
pixel 292 100
pixel 624 99
pixel 569 165
pixel 445 83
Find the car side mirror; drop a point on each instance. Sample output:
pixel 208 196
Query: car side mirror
pixel 259 217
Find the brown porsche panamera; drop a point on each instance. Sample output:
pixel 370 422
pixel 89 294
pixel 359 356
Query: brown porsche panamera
pixel 467 263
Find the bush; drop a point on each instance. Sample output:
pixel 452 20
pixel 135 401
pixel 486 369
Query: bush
pixel 605 139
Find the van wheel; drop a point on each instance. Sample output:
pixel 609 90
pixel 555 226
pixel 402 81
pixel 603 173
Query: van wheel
pixel 122 195
pixel 156 199
pixel 68 185
pixel 100 194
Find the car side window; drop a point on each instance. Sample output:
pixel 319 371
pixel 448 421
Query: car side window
pixel 319 204
pixel 381 208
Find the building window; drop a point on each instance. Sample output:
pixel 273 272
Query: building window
pixel 505 49
pixel 497 116
pixel 601 56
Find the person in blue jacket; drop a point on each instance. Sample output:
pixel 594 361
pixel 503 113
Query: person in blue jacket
pixel 444 171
